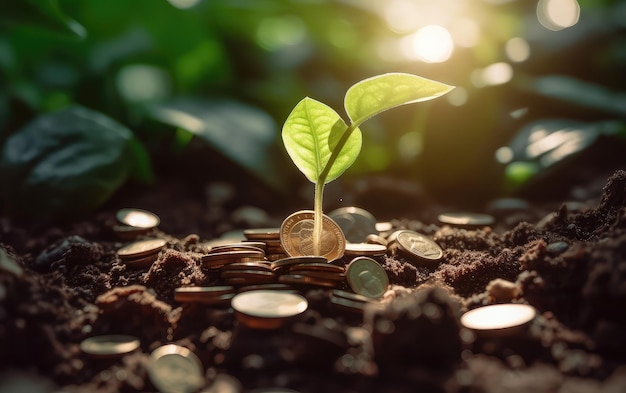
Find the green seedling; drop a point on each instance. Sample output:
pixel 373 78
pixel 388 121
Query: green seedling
pixel 323 146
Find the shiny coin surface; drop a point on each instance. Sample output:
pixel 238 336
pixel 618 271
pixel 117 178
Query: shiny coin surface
pixel 376 239
pixel 366 277
pixel 261 266
pixel 251 276
pixel 418 246
pixel 126 232
pixel 498 317
pixel 267 309
pixel 137 218
pixel 365 249
pixel 175 369
pixel 296 236
pixel 141 248
pixel 112 345
pixel 221 258
pixel 356 223
pixel 466 219
pixel 237 247
pixel 290 261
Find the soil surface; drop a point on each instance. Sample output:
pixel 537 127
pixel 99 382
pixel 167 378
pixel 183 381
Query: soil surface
pixel 60 284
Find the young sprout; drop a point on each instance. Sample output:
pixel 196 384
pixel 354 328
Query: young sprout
pixel 323 146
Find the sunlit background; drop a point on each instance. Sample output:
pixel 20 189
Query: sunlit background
pixel 538 81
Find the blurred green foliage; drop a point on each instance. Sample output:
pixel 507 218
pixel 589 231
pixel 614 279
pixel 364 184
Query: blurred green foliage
pixel 153 65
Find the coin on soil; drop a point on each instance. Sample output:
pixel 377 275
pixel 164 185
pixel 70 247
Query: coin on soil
pixel 418 246
pixel 466 219
pixel 356 223
pixel 499 318
pixel 113 345
pixel 267 309
pixel 366 277
pixel 137 218
pixel 175 369
pixel 296 236
pixel 141 248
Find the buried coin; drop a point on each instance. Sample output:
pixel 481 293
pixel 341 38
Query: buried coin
pixel 175 369
pixel 356 223
pixel 366 277
pixel 267 309
pixel 141 248
pixel 418 246
pixel 141 262
pixel 137 218
pixel 498 317
pixel 466 219
pixel 112 345
pixel 296 236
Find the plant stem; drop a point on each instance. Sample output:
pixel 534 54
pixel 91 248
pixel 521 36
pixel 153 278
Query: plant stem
pixel 335 153
pixel 317 218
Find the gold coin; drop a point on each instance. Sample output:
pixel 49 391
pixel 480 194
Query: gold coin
pixel 268 287
pixel 202 294
pixel 365 249
pixel 324 267
pixel 113 345
pixel 175 369
pixel 262 233
pixel 331 276
pixel 289 261
pixel 218 259
pixel 296 236
pixel 249 275
pixel 237 247
pixel 125 232
pixel 141 248
pixel 141 262
pixel 376 239
pixel 418 246
pixel 258 266
pixel 466 219
pixel 366 277
pixel 299 279
pixel 501 318
pixel 137 218
pixel 267 309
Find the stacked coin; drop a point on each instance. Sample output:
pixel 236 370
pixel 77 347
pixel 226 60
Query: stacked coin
pixel 214 295
pixel 142 253
pixel 416 247
pixel 174 369
pixel 351 301
pixel 267 309
pixel 270 237
pixel 223 255
pixel 248 273
pixel 315 273
pixel 132 223
pixel 354 250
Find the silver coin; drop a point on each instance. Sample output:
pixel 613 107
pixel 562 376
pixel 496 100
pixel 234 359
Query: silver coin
pixel 137 218
pixel 466 219
pixel 175 369
pixel 418 246
pixel 356 223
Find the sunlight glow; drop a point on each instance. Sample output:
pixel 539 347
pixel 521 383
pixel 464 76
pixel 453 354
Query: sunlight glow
pixel 466 32
pixel 141 83
pixel 457 97
pixel 431 44
pixel 492 75
pixel 558 14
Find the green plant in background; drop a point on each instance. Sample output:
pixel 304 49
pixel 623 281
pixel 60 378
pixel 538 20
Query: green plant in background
pixel 323 146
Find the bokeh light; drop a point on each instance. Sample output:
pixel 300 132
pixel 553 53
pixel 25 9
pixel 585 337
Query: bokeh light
pixel 277 32
pixel 517 49
pixel 143 83
pixel 184 4
pixel 558 14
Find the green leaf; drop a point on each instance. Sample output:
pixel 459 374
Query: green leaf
pixel 311 134
pixel 43 13
pixel 377 94
pixel 65 162
pixel 242 133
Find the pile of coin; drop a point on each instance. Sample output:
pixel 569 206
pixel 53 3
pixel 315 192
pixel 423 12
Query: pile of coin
pixel 142 253
pixel 309 271
pixel 270 237
pixel 132 223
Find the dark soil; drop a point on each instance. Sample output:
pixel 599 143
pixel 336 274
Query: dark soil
pixel 60 284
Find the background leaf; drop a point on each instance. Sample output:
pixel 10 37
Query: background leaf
pixel 66 162
pixel 43 13
pixel 242 133
pixel 310 134
pixel 377 94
